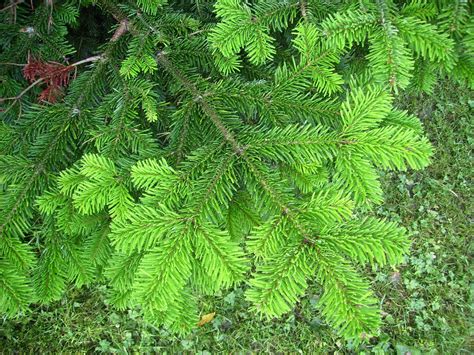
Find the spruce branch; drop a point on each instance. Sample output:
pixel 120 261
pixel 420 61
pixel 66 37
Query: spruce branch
pixel 39 165
pixel 238 148
pixel 199 98
pixel 195 173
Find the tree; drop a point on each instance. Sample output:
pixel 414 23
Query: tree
pixel 210 142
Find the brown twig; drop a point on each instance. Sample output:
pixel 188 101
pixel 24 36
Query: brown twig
pixel 12 5
pixel 123 28
pixel 303 9
pixel 49 4
pixel 87 60
pixel 17 97
pixel 15 64
pixel 198 32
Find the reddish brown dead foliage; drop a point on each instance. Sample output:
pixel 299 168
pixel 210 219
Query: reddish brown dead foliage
pixel 55 75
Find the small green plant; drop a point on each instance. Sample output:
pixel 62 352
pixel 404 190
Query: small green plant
pixel 175 165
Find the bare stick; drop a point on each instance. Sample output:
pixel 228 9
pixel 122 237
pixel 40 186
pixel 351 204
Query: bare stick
pixel 23 92
pixel 12 5
pixel 15 64
pixel 123 28
pixel 303 9
pixel 87 60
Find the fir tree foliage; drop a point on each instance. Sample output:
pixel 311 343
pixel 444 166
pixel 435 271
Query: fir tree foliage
pixel 397 39
pixel 214 144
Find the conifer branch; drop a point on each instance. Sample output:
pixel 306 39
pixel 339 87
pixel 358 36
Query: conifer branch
pixel 238 148
pixel 199 97
pixel 39 165
pixel 196 172
pixel 214 116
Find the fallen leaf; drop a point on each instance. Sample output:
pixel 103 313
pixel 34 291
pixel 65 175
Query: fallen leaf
pixel 206 319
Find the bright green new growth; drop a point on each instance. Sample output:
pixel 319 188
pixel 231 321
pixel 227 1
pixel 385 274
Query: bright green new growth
pixel 177 165
pixel 401 40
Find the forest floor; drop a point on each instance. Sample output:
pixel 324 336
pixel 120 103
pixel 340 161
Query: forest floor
pixel 427 302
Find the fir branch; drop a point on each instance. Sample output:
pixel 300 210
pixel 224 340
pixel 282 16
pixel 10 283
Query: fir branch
pixel 228 136
pixel 273 159
pixel 199 97
pixel 39 167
